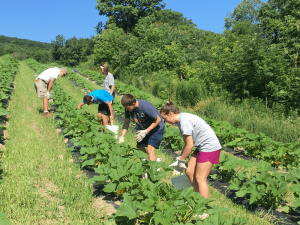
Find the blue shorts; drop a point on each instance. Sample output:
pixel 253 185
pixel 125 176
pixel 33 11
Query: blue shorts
pixel 153 139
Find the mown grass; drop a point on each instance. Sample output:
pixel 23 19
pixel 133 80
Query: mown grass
pixel 41 182
pixel 216 197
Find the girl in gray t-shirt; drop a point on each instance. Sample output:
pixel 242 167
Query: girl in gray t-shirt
pixel 196 133
pixel 109 81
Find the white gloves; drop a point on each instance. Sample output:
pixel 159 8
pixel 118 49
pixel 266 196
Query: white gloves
pixel 121 139
pixel 48 95
pixel 140 135
pixel 179 166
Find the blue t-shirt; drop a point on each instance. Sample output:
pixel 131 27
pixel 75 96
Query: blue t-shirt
pixel 144 116
pixel 101 96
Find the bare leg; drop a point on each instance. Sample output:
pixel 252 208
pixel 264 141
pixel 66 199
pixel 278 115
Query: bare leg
pixel 141 147
pixel 103 120
pixel 202 171
pixel 191 171
pixel 45 104
pixel 150 151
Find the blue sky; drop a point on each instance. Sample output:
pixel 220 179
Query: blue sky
pixel 41 20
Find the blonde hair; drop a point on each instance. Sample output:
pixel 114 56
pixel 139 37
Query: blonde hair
pixel 105 68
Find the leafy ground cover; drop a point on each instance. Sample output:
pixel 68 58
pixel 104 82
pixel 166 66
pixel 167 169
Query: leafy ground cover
pixel 105 171
pixel 8 69
pixel 265 188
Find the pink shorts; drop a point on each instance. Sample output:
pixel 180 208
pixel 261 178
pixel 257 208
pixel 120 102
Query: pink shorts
pixel 203 157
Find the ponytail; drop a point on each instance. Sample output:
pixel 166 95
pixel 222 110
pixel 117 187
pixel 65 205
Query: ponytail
pixel 169 107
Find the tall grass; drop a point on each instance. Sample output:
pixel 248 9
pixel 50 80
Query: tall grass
pixel 254 117
pixel 277 122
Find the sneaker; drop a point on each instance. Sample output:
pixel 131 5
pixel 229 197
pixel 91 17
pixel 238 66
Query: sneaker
pixel 46 114
pixel 203 216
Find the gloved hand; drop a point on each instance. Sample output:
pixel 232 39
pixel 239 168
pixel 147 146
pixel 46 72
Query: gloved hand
pixel 121 139
pixel 177 171
pixel 140 135
pixel 48 95
pixel 176 162
pixel 179 166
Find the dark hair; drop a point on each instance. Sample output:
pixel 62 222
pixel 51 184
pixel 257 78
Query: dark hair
pixel 87 99
pixel 105 68
pixel 169 107
pixel 128 99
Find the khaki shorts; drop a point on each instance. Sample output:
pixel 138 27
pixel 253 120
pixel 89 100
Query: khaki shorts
pixel 41 88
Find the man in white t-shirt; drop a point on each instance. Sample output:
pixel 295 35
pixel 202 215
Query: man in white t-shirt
pixel 44 82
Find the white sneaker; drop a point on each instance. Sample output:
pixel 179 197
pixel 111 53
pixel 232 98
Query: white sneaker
pixel 145 159
pixel 203 216
pixel 158 159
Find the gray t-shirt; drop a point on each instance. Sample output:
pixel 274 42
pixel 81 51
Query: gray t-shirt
pixel 108 82
pixel 204 137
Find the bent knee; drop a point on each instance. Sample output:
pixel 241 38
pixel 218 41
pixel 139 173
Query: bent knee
pixel 189 172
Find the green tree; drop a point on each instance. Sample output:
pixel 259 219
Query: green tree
pixel 245 17
pixel 57 47
pixel 281 20
pixel 126 13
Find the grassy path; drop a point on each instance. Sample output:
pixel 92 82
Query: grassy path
pixel 215 195
pixel 41 183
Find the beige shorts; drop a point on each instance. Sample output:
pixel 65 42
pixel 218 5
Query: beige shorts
pixel 40 88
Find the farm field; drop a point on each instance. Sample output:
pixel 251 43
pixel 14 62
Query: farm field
pixel 43 184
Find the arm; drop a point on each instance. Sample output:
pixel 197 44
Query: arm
pixel 79 105
pixel 112 89
pixel 111 117
pixel 189 144
pixel 154 124
pixel 125 126
pixel 50 84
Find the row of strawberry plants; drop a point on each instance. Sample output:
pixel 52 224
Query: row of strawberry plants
pixel 285 155
pixel 8 68
pixel 266 187
pixel 144 200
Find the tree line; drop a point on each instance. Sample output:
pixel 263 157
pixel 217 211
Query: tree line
pixel 255 57
pixel 147 45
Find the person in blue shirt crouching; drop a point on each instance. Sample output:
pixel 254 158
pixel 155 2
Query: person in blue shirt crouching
pixel 104 99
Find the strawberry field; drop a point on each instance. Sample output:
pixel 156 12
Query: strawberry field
pixel 55 169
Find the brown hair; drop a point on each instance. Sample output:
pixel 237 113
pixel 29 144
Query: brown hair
pixel 169 107
pixel 128 99
pixel 105 68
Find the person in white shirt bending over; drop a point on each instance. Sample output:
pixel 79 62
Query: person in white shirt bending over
pixel 44 82
pixel 196 133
